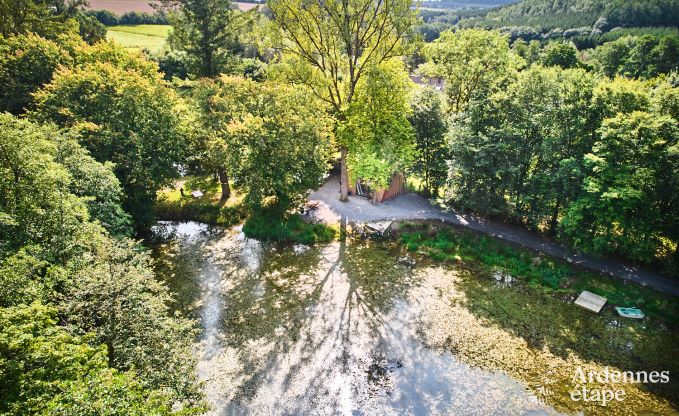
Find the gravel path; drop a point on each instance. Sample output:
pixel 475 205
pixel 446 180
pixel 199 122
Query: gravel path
pixel 411 207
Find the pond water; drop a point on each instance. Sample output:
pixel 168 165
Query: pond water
pixel 353 327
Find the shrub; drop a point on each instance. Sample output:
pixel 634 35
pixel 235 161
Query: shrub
pixel 268 227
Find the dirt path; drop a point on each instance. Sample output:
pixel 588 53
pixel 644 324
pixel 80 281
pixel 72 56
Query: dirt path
pixel 411 206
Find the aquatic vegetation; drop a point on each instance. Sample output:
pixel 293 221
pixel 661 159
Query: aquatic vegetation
pixel 447 244
pixel 359 324
pixel 543 341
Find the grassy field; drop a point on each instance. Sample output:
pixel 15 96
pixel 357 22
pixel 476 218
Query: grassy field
pixel 137 37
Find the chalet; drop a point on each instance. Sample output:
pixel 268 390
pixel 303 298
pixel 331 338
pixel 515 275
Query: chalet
pixel 397 186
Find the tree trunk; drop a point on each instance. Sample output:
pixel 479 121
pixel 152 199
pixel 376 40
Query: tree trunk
pixel 110 353
pixel 224 182
pixel 344 175
pixel 555 218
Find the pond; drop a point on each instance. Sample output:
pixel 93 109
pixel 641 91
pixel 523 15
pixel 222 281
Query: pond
pixel 362 327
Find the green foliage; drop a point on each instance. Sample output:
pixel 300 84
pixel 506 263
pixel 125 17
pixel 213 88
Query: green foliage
pixel 632 177
pixel 23 279
pixel 52 252
pixel 560 54
pixel 108 18
pixel 90 29
pixel 274 139
pixel 46 371
pixel 567 14
pixel 530 52
pixel 27 62
pixel 48 19
pixel 332 55
pixel 656 32
pixel 377 127
pixel 621 95
pixel 638 57
pixel 113 294
pixel 565 152
pixel 431 152
pixel 269 226
pixel 122 115
pixel 206 32
pixel 514 146
pixel 95 183
pixel 470 61
pixel 34 198
pixel 624 13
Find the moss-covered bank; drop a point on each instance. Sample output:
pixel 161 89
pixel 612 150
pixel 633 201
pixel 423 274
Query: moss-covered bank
pixel 445 243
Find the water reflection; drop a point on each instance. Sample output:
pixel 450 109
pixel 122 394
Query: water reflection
pixel 319 330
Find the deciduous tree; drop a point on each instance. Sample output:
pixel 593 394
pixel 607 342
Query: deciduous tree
pixel 470 60
pixel 333 43
pixel 124 116
pixel 431 150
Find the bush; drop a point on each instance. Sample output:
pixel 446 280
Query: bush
pixel 268 227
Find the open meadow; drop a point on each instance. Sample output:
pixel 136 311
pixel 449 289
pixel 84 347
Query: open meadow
pixel 151 37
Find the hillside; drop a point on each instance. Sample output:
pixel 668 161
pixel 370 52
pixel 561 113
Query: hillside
pixel 566 14
pixel 460 4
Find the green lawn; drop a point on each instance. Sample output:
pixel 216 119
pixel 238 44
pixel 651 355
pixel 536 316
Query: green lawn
pixel 151 37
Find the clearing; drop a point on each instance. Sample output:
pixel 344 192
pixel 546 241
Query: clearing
pixel 137 37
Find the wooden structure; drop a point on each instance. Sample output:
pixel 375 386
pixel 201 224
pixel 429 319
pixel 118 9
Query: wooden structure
pixel 590 301
pixel 397 186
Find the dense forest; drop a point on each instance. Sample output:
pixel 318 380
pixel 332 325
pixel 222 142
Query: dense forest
pixel 580 144
pixel 566 14
pixel 588 22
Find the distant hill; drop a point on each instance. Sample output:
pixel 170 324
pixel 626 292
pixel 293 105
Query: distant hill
pixel 461 4
pixel 567 14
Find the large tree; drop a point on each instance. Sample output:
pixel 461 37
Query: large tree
pixel 629 188
pixel 128 117
pixel 470 61
pixel 113 294
pixel 377 127
pixel 279 139
pixel 45 371
pixel 431 151
pixel 27 62
pixel 36 206
pixel 47 18
pixel 206 34
pixel 206 31
pixel 333 43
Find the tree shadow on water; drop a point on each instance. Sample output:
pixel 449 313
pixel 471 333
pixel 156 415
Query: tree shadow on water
pixel 306 314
